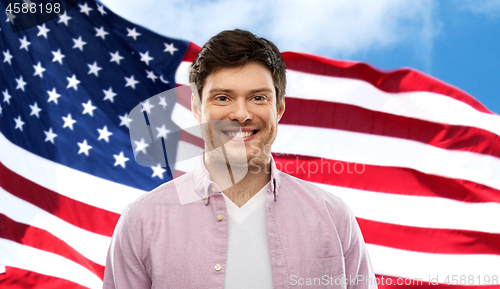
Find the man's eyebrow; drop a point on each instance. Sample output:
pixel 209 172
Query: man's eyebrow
pixel 217 90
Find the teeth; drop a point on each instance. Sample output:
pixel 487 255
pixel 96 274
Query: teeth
pixel 239 134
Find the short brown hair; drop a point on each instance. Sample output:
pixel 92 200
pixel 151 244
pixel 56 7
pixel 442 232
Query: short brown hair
pixel 233 48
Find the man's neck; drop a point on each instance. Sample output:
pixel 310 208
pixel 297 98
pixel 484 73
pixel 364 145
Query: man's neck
pixel 242 183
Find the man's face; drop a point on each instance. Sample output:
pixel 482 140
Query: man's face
pixel 238 109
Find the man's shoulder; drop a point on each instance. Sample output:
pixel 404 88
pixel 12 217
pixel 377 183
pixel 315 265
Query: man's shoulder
pixel 168 193
pixel 309 192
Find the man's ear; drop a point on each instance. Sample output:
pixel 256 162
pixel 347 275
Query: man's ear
pixel 195 107
pixel 281 110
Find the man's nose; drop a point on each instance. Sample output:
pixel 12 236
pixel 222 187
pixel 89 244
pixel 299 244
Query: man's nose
pixel 240 111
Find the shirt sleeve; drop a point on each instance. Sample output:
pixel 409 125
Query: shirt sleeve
pixel 359 271
pixel 124 267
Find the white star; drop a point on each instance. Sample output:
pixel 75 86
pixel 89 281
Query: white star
pixel 58 56
pixel 151 75
pixel 162 132
pixel 125 120
pixel 53 95
pixel 94 68
pixel 120 160
pixel 132 33
pixel 101 33
pixel 0 110
pixel 85 9
pixel 131 81
pixel 24 43
pixel 64 18
pixel 39 69
pixel 88 108
pixel 101 9
pixel 170 48
pixel 146 106
pixel 163 102
pixel 68 121
pixel 50 136
pixel 6 96
pixel 10 17
pixel 73 82
pixel 7 56
pixel 116 57
pixel 163 80
pixel 84 147
pixel 43 30
pixel 141 145
pixel 79 43
pixel 145 57
pixel 104 134
pixel 20 83
pixel 35 110
pixel 109 94
pixel 158 171
pixel 19 123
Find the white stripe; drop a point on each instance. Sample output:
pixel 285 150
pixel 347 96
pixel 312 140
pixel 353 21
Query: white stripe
pixel 187 154
pixel 66 181
pixel 408 264
pixel 421 105
pixel 418 211
pixel 89 244
pixel 184 119
pixel 387 151
pixel 13 254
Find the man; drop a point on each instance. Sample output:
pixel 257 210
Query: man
pixel 248 225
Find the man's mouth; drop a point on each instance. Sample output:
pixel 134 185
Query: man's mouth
pixel 240 134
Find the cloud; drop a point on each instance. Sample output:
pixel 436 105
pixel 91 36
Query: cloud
pixel 330 28
pixel 490 8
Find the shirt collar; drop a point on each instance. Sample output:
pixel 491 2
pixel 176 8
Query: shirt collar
pixel 205 188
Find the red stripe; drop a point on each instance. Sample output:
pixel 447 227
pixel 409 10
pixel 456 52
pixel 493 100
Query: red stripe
pixel 191 52
pixel 394 180
pixel 184 95
pixel 383 283
pixel 43 240
pixel 15 278
pixel 442 241
pixel 347 117
pixel 69 210
pixel 401 80
pixel 189 138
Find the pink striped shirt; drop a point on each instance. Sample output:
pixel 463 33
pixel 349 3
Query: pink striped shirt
pixel 313 237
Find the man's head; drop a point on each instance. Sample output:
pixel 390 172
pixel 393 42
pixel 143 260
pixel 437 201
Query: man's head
pixel 233 48
pixel 240 82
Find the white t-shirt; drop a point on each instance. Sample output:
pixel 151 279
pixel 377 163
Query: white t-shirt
pixel 248 263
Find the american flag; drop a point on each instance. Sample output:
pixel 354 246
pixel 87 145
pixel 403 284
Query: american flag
pixel 416 159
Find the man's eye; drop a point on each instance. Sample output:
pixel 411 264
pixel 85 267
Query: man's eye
pixel 222 98
pixel 258 98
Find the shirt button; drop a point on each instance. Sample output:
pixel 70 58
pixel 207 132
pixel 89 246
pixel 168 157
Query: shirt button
pixel 214 189
pixel 276 192
pixel 217 267
pixel 204 196
pixel 220 217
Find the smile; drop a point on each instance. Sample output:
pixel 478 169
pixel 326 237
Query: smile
pixel 240 134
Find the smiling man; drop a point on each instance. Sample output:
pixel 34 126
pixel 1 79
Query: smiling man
pixel 248 225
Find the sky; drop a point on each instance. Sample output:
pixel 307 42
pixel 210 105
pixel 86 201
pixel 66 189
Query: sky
pixel 456 41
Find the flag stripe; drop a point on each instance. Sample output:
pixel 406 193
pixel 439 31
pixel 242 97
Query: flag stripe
pixel 353 118
pixel 90 245
pixel 444 241
pixel 16 278
pixel 417 211
pixel 401 80
pixel 383 179
pixel 43 240
pixel 60 206
pixel 410 264
pixel 46 263
pixel 387 151
pixel 426 284
pixel 66 181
